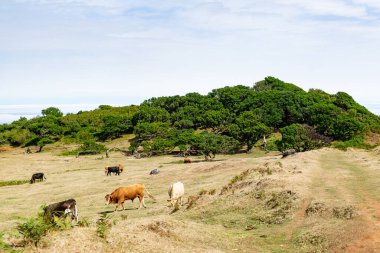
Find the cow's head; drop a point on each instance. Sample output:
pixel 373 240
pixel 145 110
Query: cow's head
pixel 109 199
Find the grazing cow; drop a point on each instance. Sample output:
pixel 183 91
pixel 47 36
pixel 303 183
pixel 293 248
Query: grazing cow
pixel 37 176
pixel 186 160
pixel 113 169
pixel 176 192
pixel 154 172
pixel 130 192
pixel 288 152
pixel 61 209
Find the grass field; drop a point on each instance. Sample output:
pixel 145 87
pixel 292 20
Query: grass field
pixel 241 203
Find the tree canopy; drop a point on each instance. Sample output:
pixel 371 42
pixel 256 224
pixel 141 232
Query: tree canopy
pixel 222 121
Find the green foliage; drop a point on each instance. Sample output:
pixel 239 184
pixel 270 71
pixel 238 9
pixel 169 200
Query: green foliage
pixel 355 142
pixel 114 126
pixel 13 182
pixel 248 129
pixel 301 138
pixel 148 131
pixel 84 222
pixel 91 147
pixel 16 136
pixel 211 144
pixel 63 223
pixel 158 145
pixel 240 112
pixel 103 225
pixel 5 247
pixel 52 111
pixel 346 127
pixel 33 229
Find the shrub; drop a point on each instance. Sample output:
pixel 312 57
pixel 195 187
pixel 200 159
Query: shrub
pixel 33 229
pixel 301 138
pixel 84 222
pixel 89 147
pixel 103 225
pixel 63 223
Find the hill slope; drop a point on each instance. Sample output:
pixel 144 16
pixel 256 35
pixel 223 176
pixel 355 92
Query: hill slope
pixel 311 202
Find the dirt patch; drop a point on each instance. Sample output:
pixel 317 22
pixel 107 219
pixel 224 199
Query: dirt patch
pixel 345 212
pixel 317 208
pixel 5 148
pixel 161 228
pixel 372 139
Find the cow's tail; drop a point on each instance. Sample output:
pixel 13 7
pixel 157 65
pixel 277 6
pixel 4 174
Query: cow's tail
pixel 150 195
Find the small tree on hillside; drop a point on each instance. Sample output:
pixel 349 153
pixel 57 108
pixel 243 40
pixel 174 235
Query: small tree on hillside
pixel 248 129
pixel 211 144
pixel 301 138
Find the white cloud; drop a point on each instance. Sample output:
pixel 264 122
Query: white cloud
pixel 142 48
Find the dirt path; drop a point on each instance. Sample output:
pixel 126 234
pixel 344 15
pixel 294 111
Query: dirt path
pixel 361 183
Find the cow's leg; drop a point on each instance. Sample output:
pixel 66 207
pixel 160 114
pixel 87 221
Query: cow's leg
pixel 122 204
pixel 180 201
pixel 76 213
pixel 143 201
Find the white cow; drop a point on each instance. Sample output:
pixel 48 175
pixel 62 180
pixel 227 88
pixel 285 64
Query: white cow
pixel 176 191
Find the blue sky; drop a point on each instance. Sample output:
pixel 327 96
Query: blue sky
pixel 71 53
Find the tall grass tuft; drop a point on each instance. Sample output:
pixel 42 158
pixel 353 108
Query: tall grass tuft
pixel 13 182
pixel 103 226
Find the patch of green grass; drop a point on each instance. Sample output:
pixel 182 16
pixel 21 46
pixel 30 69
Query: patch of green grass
pixel 5 247
pixel 13 182
pixel 355 142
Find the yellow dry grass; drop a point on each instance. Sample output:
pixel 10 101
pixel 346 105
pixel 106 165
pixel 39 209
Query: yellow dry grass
pixel 327 175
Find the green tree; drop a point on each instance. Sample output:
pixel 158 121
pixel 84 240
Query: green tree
pixel 301 138
pixel 248 130
pixel 114 126
pixel 52 111
pixel 211 144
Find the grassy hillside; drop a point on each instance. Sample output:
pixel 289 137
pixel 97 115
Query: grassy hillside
pixel 318 201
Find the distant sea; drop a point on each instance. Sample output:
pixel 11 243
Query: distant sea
pixel 10 113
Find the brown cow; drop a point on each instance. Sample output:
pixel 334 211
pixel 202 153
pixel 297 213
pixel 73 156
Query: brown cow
pixel 130 192
pixel 186 160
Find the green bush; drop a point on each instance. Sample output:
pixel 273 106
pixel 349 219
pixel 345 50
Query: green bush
pixel 301 138
pixel 84 222
pixel 89 147
pixel 33 229
pixel 355 142
pixel 103 226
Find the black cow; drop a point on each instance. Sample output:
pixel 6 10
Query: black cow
pixel 288 152
pixel 154 172
pixel 37 176
pixel 60 209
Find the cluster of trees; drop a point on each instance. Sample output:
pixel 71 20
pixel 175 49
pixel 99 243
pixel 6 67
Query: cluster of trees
pixel 225 120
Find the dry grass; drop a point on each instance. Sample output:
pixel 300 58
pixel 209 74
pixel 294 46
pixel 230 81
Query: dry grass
pixel 261 209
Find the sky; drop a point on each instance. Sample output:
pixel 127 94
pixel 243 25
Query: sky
pixel 78 54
